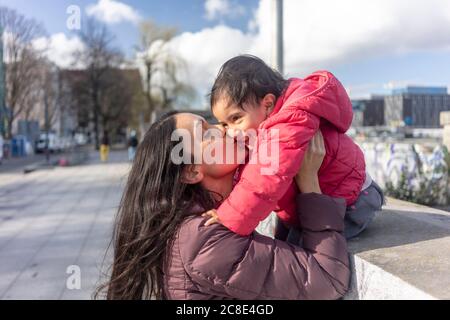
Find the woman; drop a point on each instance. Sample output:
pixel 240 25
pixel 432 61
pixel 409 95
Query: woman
pixel 163 249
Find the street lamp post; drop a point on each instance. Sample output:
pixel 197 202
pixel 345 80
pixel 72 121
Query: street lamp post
pixel 47 125
pixel 277 42
pixel 45 89
pixel 2 87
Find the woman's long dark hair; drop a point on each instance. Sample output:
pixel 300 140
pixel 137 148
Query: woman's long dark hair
pixel 154 204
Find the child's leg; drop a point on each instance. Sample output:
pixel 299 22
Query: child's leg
pixel 281 231
pixel 287 233
pixel 295 236
pixel 361 213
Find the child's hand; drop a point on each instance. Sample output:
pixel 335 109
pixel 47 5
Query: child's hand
pixel 214 217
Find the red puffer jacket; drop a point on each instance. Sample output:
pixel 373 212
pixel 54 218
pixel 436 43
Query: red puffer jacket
pixel 215 263
pixel 318 101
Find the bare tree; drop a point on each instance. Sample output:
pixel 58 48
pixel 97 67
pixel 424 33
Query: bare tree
pixel 52 94
pixel 21 61
pixel 80 99
pixel 172 91
pixel 117 98
pixel 104 90
pixel 151 50
pixel 98 57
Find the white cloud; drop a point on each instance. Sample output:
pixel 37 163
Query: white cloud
pixel 215 9
pixel 321 33
pixel 59 48
pixel 207 50
pixel 318 34
pixel 111 12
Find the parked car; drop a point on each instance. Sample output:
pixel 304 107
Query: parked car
pixel 80 139
pixel 66 142
pixel 54 143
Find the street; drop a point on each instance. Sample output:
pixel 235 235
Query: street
pixel 53 219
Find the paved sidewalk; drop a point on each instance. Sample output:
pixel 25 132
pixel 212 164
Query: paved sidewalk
pixel 18 164
pixel 53 219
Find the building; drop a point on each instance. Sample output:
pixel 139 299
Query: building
pixel 358 113
pixel 416 106
pixel 31 121
pixel 369 112
pixel 80 103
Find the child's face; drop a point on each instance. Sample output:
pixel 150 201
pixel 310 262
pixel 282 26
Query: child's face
pixel 236 119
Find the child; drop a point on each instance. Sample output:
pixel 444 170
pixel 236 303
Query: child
pixel 247 94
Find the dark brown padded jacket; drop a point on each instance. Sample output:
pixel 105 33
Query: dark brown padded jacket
pixel 215 263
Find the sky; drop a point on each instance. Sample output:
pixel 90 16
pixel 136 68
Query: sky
pixel 371 46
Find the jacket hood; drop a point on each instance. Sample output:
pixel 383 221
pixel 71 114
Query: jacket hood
pixel 320 94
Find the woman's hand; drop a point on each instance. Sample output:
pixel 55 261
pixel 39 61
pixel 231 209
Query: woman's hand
pixel 213 217
pixel 307 178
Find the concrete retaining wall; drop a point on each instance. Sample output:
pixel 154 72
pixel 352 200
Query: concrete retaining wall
pixel 403 254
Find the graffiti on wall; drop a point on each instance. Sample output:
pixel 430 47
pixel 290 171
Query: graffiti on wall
pixel 418 168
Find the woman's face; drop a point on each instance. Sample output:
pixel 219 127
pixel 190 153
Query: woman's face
pixel 215 153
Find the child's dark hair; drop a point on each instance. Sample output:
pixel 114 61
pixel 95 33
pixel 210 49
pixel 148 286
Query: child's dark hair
pixel 245 78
